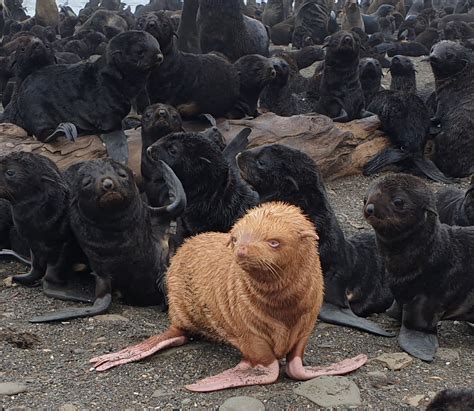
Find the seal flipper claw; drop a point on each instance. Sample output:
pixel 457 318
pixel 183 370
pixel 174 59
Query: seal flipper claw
pixel 117 145
pixel 419 344
pixel 69 131
pixel 343 316
pixel 296 370
pixel 243 374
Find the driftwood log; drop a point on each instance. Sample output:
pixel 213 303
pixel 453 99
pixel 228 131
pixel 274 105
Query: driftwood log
pixel 339 149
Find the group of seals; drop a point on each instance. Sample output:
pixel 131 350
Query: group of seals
pixel 258 288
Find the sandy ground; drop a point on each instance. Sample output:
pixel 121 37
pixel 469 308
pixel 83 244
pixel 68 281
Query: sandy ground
pixel 51 360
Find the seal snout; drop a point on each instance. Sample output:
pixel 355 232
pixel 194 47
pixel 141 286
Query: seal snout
pixel 159 58
pixel 107 184
pixel 242 251
pixel 369 210
pixel 347 40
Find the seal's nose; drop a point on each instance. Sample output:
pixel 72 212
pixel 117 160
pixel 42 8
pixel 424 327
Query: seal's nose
pixel 242 251
pixel 369 210
pixel 107 184
pixel 159 58
pixel 162 112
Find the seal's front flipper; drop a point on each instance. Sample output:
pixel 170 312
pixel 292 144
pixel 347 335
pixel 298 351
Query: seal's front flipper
pixel 236 145
pixel 419 344
pixel 241 375
pixel 11 253
pixel 344 316
pixel 210 118
pixel 429 169
pixel 384 159
pixel 296 370
pixel 170 338
pixel 343 117
pixel 34 276
pixel 100 306
pixel 117 145
pixel 67 130
pixel 365 114
pixel 395 311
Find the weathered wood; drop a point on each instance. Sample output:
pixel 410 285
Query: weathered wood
pixel 339 149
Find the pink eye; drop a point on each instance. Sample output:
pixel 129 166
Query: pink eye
pixel 273 243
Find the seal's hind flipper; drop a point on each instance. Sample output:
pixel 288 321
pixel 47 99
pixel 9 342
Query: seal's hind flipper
pixel 344 316
pixel 210 118
pixel 11 253
pixel 67 130
pixel 419 344
pixel 236 145
pixel 384 159
pixel 429 169
pixel 243 374
pixel 65 294
pixel 117 145
pixel 100 306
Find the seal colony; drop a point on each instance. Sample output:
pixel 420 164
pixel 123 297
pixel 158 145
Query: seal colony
pixel 242 245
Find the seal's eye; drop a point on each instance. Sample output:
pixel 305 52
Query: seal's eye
pixel 398 202
pixel 260 162
pixel 172 151
pixel 122 174
pixel 86 181
pixel 10 173
pixel 273 243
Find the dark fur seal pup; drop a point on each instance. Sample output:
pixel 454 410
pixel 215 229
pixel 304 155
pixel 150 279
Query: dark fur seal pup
pixel 406 120
pixel 370 75
pixel 456 207
pixel 275 12
pixel 193 83
pixel 304 57
pixel 216 196
pixel 87 98
pixel 406 48
pixel 158 120
pixel 39 198
pixel 452 67
pixel 255 73
pixel 222 27
pixel 341 95
pixel 124 239
pixel 227 287
pixel 312 22
pixel 350 266
pixel 352 16
pixel 428 264
pixel 452 400
pixel 403 75
pixel 106 22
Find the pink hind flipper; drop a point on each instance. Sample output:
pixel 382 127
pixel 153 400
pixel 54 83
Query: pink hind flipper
pixel 170 338
pixel 296 370
pixel 241 375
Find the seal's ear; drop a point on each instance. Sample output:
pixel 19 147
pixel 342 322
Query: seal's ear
pixel 326 42
pixel 292 182
pixel 175 34
pixel 309 234
pixel 431 210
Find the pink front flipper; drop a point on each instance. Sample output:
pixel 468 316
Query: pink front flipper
pixel 241 375
pixel 137 352
pixel 296 370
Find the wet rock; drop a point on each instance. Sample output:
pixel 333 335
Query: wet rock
pixel 11 388
pixel 447 354
pixel 242 403
pixel 330 392
pixel 110 318
pixel 396 360
pixel 379 379
pixel 414 400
